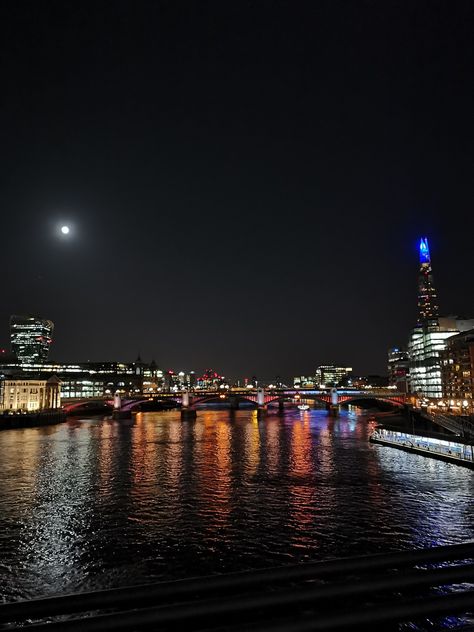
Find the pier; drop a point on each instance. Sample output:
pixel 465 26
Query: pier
pixel 445 449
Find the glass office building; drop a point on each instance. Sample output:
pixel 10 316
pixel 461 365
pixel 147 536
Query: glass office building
pixel 31 338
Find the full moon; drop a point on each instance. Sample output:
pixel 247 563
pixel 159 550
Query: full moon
pixel 65 230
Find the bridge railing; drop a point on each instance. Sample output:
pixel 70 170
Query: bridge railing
pixel 454 423
pixel 353 593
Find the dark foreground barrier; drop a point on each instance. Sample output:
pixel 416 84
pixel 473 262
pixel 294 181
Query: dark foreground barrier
pixel 373 592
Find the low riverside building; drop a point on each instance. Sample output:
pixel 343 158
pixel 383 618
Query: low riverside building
pixel 92 379
pixel 23 394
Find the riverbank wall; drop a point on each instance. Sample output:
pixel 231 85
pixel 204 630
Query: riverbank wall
pixel 32 420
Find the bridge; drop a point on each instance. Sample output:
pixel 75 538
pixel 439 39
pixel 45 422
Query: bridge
pixel 190 401
pixel 260 398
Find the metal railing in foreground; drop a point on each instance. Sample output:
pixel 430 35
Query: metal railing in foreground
pixel 340 594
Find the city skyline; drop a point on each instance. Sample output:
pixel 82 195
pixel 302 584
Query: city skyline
pixel 243 187
pixel 427 309
pixel 237 317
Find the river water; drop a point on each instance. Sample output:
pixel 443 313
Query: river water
pixel 99 503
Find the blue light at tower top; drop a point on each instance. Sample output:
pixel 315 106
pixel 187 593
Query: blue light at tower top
pixel 424 251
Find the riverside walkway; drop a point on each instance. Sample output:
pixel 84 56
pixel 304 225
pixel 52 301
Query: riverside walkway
pixel 445 449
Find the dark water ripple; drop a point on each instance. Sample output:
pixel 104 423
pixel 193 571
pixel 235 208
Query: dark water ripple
pixel 93 504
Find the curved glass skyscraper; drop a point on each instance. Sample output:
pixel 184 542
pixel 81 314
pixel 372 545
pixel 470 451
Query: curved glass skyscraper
pixel 31 338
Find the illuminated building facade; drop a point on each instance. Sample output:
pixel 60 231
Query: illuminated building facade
pixel 457 368
pixel 398 368
pixel 303 381
pixel 22 394
pixel 210 379
pixel 94 379
pixel 425 347
pixel 84 385
pixel 178 381
pixel 330 375
pixel 153 379
pixel 31 338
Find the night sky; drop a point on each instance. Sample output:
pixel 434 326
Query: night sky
pixel 245 181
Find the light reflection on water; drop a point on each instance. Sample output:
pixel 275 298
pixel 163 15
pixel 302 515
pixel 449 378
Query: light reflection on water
pixel 92 504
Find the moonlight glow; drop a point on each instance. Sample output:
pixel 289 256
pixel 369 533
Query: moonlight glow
pixel 65 230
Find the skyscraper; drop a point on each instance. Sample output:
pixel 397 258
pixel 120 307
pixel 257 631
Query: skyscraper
pixel 428 339
pixel 30 338
pixel 428 309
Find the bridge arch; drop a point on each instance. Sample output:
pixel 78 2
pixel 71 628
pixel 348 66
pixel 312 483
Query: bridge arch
pixel 372 398
pixel 84 406
pixel 132 404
